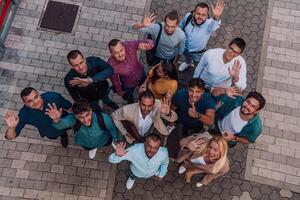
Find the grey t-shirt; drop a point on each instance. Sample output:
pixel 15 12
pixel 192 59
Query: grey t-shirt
pixel 168 45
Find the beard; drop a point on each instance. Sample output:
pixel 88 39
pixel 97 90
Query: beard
pixel 246 113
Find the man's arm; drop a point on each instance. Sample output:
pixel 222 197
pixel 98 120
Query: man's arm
pixel 163 169
pixel 103 70
pixel 74 94
pixel 14 123
pixel 112 129
pixel 242 82
pixel 115 79
pixel 118 116
pixel 208 117
pixel 121 153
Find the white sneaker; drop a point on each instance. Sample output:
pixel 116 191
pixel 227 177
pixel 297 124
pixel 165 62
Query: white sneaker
pixel 183 67
pixel 181 169
pixel 199 184
pixel 92 153
pixel 129 183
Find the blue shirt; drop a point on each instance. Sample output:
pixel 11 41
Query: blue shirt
pixel 91 136
pixel 197 36
pixel 39 119
pixel 181 101
pixel 168 45
pixel 142 166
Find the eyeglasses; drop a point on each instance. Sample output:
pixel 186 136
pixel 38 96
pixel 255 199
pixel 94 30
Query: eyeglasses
pixel 232 50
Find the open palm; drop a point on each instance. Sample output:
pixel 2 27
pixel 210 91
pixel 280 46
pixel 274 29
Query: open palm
pixel 53 112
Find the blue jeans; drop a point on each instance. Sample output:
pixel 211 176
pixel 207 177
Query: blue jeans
pixel 105 99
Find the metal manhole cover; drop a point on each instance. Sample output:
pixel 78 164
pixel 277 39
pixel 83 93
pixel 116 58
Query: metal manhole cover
pixel 59 16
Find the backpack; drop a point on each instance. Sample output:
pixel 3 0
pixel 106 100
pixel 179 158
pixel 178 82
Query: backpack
pixel 187 21
pixel 150 54
pixel 100 120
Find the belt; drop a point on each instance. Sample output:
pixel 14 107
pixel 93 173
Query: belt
pixel 201 51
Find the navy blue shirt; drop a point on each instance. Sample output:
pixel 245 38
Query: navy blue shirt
pixel 181 101
pixel 39 119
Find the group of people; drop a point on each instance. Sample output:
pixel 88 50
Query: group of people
pixel 165 122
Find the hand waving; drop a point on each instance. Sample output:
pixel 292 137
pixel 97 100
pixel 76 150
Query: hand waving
pixel 11 119
pixel 233 91
pixel 120 149
pixel 217 10
pixel 195 144
pixel 53 112
pixel 165 105
pixel 145 46
pixel 149 19
pixel 235 71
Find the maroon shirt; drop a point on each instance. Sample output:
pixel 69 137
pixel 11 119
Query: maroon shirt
pixel 130 71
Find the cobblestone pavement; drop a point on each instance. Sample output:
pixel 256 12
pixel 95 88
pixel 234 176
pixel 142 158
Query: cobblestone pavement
pixel 35 168
pixel 246 19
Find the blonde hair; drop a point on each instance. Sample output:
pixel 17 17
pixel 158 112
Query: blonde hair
pixel 223 151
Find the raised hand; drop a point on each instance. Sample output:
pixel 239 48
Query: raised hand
pixel 145 46
pixel 149 19
pixel 120 149
pixel 192 111
pixel 235 71
pixel 53 112
pixel 11 119
pixel 195 144
pixel 232 92
pixel 80 82
pixel 165 105
pixel 217 10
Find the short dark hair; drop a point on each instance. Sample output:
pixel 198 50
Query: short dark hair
pixel 153 136
pixel 26 91
pixel 146 94
pixel 202 5
pixel 238 42
pixel 196 82
pixel 80 106
pixel 259 97
pixel 173 15
pixel 73 55
pixel 113 43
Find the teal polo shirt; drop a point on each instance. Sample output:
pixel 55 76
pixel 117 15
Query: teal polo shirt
pixel 251 130
pixel 39 119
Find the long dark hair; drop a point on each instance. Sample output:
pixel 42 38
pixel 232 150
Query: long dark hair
pixel 168 68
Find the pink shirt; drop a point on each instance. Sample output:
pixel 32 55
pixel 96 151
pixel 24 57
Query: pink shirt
pixel 130 71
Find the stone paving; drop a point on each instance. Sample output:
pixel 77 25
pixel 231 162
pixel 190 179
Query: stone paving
pixel 35 168
pixel 276 156
pixel 245 19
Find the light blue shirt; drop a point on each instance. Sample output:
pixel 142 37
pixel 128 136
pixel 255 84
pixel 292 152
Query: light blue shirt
pixel 198 36
pixel 140 165
pixel 215 72
pixel 168 45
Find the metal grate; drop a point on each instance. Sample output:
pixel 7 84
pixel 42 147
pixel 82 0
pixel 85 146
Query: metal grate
pixel 59 16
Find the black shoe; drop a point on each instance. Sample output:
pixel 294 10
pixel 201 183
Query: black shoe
pixel 64 140
pixel 113 105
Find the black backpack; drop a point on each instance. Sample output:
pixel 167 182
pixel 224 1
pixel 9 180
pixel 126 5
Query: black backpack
pixel 150 54
pixel 187 21
pixel 100 120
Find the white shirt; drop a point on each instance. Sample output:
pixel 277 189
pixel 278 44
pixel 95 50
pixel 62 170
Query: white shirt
pixel 144 124
pixel 232 123
pixel 214 71
pixel 200 160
